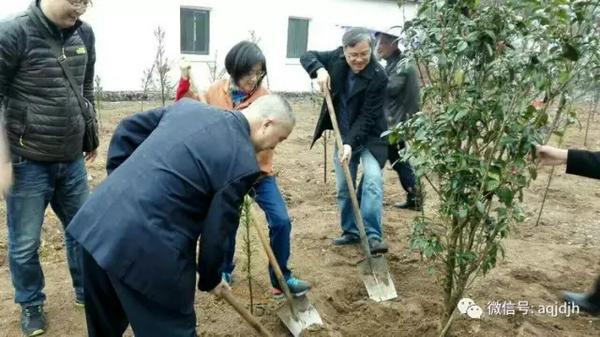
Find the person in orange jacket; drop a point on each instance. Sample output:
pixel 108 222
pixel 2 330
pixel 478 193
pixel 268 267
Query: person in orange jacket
pixel 246 66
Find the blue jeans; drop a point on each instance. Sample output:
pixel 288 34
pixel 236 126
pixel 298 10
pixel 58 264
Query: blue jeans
pixel 370 198
pixel 267 195
pixel 63 185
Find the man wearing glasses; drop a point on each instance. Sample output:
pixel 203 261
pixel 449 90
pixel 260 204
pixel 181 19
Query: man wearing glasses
pixel 44 129
pixel 357 84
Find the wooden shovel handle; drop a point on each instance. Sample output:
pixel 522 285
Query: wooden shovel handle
pixel 245 314
pixel 349 182
pixel 276 268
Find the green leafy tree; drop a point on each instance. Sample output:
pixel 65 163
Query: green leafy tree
pixel 487 64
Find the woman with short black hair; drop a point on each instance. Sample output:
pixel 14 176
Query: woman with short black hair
pixel 244 60
pixel 246 65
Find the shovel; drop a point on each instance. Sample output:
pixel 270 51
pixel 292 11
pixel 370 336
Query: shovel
pixel 299 314
pixel 373 270
pixel 245 314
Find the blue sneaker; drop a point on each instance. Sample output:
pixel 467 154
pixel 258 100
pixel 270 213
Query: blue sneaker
pixel 297 288
pixel 33 320
pixel 227 277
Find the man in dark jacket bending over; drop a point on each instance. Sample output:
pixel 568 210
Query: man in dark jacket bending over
pixel 175 174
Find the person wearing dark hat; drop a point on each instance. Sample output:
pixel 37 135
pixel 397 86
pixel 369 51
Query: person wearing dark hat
pixel 401 103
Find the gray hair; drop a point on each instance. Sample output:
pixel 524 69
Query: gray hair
pixel 273 106
pixel 356 35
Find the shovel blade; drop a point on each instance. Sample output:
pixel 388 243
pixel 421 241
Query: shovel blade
pixel 308 317
pixel 377 279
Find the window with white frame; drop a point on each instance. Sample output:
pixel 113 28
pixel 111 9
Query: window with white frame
pixel 195 31
pixel 297 40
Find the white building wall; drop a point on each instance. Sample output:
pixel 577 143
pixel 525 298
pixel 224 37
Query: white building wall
pixel 125 43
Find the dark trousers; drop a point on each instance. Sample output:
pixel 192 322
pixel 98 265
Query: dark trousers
pixel 595 295
pixel 403 168
pixel 110 306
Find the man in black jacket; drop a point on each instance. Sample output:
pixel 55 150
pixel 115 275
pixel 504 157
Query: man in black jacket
pixel 401 103
pixel 585 164
pixel 45 129
pixel 357 84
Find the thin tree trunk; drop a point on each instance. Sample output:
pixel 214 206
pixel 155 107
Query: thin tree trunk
pixel 561 107
pixel 447 326
pixel 554 125
pixel 450 272
pixel 248 247
pixel 587 127
pixel 537 222
pixel 248 265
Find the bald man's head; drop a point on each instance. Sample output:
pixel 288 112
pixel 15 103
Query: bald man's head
pixel 273 106
pixel 271 121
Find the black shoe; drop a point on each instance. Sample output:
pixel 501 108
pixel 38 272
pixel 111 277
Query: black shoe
pixel 411 203
pixel 583 301
pixel 377 246
pixel 346 239
pixel 33 321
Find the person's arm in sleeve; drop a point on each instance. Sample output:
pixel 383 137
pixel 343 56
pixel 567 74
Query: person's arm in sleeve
pixel 584 163
pixel 312 61
pixel 87 34
pixel 316 64
pixel 130 133
pixel 221 222
pixel 88 81
pixel 10 54
pixel 579 162
pixel 11 50
pixel 183 87
pixel 371 110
